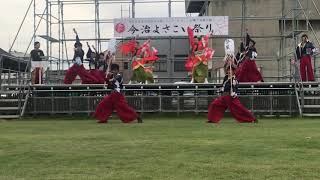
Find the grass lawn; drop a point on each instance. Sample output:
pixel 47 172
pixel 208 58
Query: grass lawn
pixel 160 148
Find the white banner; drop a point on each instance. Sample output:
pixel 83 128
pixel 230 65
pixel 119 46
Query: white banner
pixel 177 26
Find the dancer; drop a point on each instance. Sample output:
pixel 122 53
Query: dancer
pixel 100 64
pixel 247 68
pixel 101 73
pixel 91 57
pixel 115 101
pixel 200 54
pixel 229 100
pixel 143 58
pixel 77 68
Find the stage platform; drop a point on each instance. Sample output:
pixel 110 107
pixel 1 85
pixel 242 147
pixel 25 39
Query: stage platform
pixel 268 98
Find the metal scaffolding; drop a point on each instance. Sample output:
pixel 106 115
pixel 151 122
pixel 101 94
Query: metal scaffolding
pixel 296 13
pixel 52 18
pixel 53 15
pixel 300 23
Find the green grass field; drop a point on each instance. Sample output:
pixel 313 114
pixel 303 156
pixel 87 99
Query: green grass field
pixel 160 148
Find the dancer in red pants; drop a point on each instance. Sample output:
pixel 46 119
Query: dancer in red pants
pixel 229 100
pixel 115 101
pixel 77 68
pixel 247 67
pixel 304 52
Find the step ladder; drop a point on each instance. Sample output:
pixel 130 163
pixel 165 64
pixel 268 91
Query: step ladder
pixel 310 100
pixel 13 101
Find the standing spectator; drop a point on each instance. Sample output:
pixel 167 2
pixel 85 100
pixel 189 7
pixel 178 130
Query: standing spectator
pixel 37 56
pixel 304 52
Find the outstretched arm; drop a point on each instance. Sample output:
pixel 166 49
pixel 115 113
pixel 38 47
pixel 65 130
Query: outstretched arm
pixel 89 52
pixel 94 48
pixel 75 31
pixel 77 37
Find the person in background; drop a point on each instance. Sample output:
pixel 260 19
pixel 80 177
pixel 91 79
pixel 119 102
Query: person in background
pixel 37 56
pixel 304 51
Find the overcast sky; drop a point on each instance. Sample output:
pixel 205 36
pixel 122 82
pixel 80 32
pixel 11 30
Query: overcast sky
pixel 11 15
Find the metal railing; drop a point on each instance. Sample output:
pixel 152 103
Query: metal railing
pixel 262 99
pixel 19 78
pixel 10 76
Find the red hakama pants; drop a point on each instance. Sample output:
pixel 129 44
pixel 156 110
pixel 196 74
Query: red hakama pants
pixel 99 75
pixel 84 75
pixel 248 72
pixel 222 103
pixel 306 71
pixel 115 101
